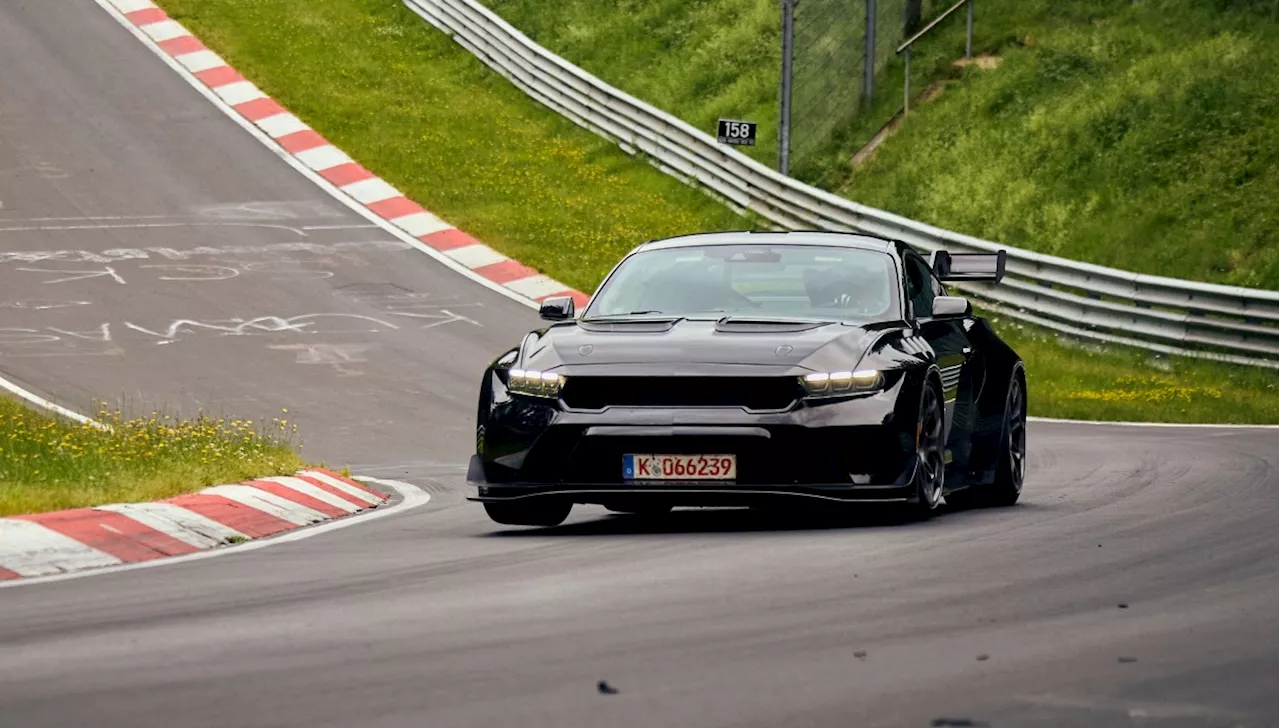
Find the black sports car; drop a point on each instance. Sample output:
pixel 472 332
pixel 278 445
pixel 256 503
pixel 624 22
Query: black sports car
pixel 743 369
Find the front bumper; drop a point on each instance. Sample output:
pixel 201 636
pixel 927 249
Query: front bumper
pixel 690 493
pixel 854 450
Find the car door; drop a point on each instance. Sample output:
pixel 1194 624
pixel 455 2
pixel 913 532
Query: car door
pixel 955 356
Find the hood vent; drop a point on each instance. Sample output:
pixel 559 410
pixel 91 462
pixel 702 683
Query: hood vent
pixel 633 326
pixel 741 325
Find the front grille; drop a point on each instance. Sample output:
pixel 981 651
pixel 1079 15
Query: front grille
pixel 755 393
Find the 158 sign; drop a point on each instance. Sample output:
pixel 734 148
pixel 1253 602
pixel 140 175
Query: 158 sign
pixel 732 131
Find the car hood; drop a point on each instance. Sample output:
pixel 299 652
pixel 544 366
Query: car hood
pixel 684 345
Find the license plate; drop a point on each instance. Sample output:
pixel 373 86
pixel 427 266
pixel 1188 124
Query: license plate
pixel 679 467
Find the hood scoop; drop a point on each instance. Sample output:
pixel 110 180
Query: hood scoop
pixel 634 326
pixel 740 325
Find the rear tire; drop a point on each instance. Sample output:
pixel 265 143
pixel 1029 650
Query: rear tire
pixel 544 513
pixel 1011 468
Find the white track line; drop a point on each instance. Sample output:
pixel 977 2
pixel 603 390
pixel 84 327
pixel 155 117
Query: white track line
pixel 411 497
pixel 1202 425
pixel 39 401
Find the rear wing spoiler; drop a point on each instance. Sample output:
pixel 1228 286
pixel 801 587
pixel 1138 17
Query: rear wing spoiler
pixel 984 267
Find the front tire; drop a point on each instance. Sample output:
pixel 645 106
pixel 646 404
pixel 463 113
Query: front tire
pixel 545 513
pixel 930 466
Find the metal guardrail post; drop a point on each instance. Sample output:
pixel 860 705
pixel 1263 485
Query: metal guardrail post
pixel 784 104
pixel 968 33
pixel 869 64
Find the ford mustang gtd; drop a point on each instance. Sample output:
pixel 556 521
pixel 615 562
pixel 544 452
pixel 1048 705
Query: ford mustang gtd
pixel 749 369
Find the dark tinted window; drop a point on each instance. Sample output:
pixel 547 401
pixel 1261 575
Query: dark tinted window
pixel 922 287
pixel 800 281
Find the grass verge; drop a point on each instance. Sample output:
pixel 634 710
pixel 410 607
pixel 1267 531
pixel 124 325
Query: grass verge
pixel 424 114
pixel 48 463
pixel 1081 380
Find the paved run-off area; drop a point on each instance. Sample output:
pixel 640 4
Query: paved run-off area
pixel 434 618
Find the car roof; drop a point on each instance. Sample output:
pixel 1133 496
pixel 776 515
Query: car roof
pixel 795 237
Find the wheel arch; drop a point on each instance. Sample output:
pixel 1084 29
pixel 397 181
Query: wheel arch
pixel 907 409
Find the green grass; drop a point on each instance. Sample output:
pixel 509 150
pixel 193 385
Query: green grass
pixel 49 463
pixel 433 121
pixel 700 61
pixel 1139 135
pixel 416 109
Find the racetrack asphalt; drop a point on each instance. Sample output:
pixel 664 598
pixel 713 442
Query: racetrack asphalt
pixel 436 617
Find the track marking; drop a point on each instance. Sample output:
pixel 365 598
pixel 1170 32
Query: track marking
pixel 269 503
pixel 22 541
pixel 77 275
pixel 54 407
pixel 347 488
pixel 1201 425
pixel 314 491
pixel 178 522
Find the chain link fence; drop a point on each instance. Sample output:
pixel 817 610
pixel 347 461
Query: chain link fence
pixel 829 81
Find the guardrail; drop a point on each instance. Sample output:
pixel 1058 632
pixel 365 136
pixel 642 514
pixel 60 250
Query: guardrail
pixel 1160 314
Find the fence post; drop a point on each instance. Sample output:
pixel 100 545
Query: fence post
pixel 968 33
pixel 784 104
pixel 906 83
pixel 869 64
pixel 911 10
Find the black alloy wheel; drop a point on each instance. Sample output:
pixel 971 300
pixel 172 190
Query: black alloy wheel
pixel 1011 469
pixel 930 467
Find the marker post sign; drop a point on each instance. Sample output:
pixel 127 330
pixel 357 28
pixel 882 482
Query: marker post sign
pixel 732 131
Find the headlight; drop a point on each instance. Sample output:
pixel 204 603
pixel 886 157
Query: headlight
pixel 834 384
pixel 535 383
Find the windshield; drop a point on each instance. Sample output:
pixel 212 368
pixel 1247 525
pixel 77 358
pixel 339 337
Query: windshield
pixel 793 281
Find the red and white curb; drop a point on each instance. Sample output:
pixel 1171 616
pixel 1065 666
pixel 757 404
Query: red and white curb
pixel 125 533
pixel 293 138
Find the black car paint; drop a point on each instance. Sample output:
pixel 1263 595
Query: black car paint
pixel 916 351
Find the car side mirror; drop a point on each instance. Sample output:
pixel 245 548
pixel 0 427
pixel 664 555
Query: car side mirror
pixel 951 307
pixel 559 308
